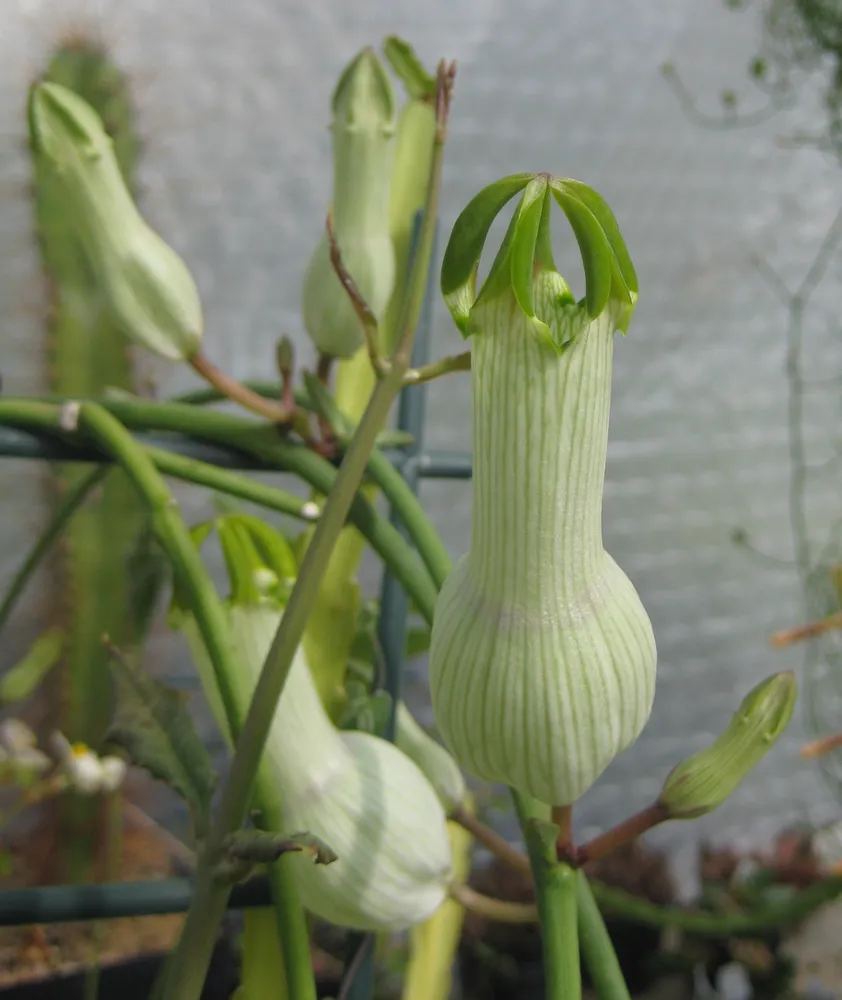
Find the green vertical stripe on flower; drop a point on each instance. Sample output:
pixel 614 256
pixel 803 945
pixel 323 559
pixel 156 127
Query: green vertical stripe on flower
pixel 542 660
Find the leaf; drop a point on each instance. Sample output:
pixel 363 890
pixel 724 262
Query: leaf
pixel 261 847
pixel 408 69
pixel 153 725
pixel 21 680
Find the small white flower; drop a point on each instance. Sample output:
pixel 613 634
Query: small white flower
pixel 16 736
pixel 31 760
pixel 88 773
pixel 113 773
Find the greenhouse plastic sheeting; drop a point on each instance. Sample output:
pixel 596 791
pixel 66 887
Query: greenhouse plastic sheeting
pixel 233 110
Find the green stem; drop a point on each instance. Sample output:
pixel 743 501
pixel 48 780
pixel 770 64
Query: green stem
pixel 444 366
pixel 555 889
pixel 261 443
pixel 381 472
pixel 194 949
pixel 396 490
pixel 171 532
pixel 192 470
pixel 71 504
pixel 597 946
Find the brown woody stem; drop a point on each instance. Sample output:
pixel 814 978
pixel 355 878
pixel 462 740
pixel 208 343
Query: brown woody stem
pixel 492 841
pixel 500 910
pixel 630 829
pixel 238 392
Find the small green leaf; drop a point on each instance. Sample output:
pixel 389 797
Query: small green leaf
pixel 260 847
pixel 24 677
pixel 408 69
pixel 153 725
pixel 467 239
pixel 597 256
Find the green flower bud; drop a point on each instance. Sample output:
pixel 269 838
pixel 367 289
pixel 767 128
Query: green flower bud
pixel 363 129
pixel 356 792
pixel 440 769
pixel 145 283
pixel 704 781
pixel 416 132
pixel 542 657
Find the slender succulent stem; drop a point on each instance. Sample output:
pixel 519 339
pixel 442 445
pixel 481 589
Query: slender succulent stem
pixel 597 947
pixel 172 534
pixel 191 470
pixel 71 503
pixel 623 833
pixel 555 889
pixel 492 841
pixel 263 444
pixel 237 392
pixel 452 363
pixel 498 910
pixel 186 973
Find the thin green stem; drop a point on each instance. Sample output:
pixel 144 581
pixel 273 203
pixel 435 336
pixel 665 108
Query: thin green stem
pixel 192 470
pixel 259 442
pixel 72 502
pixel 172 534
pixel 555 889
pixel 394 487
pixel 194 949
pixel 452 363
pixel 186 978
pixel 597 947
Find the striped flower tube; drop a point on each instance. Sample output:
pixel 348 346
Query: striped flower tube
pixel 542 661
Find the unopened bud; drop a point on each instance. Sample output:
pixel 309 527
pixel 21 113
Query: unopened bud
pixel 145 283
pixel 363 130
pixel 704 781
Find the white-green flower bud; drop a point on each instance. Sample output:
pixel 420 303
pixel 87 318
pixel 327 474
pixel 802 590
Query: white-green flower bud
pixel 704 781
pixel 542 657
pixel 435 762
pixel 363 129
pixel 145 283
pixel 359 794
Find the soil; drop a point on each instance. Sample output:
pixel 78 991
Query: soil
pixel 28 954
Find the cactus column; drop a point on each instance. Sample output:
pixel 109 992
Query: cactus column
pixel 86 354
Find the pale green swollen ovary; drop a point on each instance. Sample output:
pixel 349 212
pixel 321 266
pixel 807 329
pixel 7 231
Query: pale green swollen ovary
pixel 542 661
